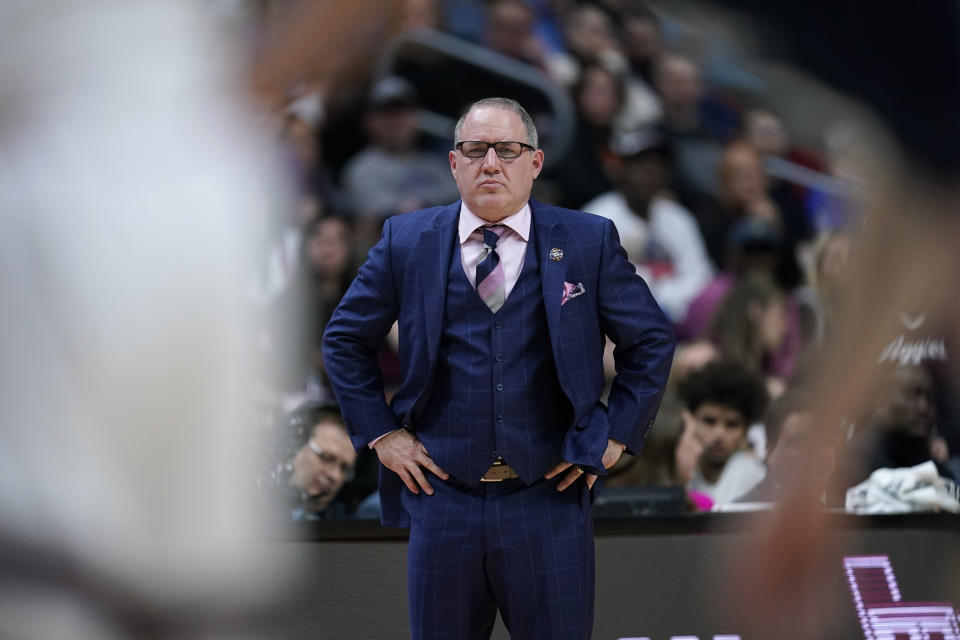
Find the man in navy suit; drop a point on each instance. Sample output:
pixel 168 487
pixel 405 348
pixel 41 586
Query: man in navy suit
pixel 503 305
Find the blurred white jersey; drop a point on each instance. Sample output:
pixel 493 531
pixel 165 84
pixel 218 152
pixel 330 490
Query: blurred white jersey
pixel 131 186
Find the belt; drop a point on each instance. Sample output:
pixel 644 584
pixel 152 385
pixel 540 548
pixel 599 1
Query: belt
pixel 499 471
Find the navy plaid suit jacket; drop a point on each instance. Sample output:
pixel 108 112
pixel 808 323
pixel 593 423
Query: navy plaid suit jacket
pixel 405 280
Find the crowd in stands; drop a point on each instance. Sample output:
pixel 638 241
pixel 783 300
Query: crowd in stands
pixel 752 269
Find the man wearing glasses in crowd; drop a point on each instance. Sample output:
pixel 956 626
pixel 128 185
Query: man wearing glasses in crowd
pixel 491 446
pixel 320 461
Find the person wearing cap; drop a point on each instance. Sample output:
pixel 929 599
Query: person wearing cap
pixel 392 174
pixel 661 237
pixel 492 444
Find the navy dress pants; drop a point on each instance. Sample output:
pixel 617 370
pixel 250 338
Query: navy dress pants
pixel 525 550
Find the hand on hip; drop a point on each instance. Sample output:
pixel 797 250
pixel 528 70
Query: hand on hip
pixel 406 456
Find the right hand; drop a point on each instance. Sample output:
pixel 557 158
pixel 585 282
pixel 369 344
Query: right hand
pixel 403 454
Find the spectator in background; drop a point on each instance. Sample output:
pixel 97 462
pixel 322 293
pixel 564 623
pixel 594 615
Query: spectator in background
pixel 330 266
pixel 330 263
pixel 324 271
pixel 510 31
pixel 689 357
pixel 643 41
pixel 590 39
pixel 790 447
pixel 642 44
pixel 900 428
pixel 302 121
pixel 744 194
pixel 845 161
pixel 582 175
pixel 820 302
pixel 668 458
pixel 661 237
pixel 391 174
pixel 741 193
pixel 750 326
pixel 724 398
pixel 318 460
pixel 695 126
pixel 754 248
pixel 767 133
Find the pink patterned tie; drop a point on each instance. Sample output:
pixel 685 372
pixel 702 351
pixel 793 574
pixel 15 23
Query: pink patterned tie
pixel 491 283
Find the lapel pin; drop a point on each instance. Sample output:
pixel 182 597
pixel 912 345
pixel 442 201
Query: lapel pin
pixel 556 254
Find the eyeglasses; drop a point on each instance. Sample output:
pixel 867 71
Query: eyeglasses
pixel 504 150
pixel 328 458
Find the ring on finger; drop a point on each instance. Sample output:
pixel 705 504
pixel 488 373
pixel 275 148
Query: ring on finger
pixel 577 467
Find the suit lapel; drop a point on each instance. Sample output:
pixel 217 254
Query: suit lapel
pixel 431 273
pixel 553 241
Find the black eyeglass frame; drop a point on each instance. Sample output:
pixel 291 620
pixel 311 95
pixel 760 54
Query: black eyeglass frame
pixel 488 145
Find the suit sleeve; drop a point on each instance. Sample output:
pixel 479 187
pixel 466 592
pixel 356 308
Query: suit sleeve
pixel 352 340
pixel 644 341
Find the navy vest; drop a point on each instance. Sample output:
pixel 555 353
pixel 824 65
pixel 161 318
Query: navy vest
pixel 496 391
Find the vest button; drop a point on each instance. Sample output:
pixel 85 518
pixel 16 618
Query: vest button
pixel 496 325
pixel 498 357
pixel 499 418
pixel 499 387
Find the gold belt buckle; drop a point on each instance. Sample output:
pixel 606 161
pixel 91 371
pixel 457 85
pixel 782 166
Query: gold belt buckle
pixel 498 472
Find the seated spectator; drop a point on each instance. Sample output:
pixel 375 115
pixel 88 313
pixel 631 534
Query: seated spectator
pixel 660 236
pixel 642 44
pixel 793 455
pixel 319 459
pixel 689 357
pixel 753 249
pixel 643 41
pixel 302 121
pixel 768 134
pixel 583 174
pixel 391 175
pixel 590 39
pixel 741 194
pixel 900 428
pixel 695 125
pixel 668 459
pixel 510 31
pixel 326 266
pixel 724 398
pixel 750 326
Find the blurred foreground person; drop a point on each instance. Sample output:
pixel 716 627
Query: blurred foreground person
pixel 131 186
pixel 906 256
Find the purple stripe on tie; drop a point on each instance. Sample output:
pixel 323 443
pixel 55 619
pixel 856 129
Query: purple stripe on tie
pixel 490 285
pixel 490 280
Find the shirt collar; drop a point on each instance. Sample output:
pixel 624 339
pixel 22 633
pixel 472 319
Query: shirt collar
pixel 519 222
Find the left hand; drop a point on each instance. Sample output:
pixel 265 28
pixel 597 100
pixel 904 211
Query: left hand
pixel 610 456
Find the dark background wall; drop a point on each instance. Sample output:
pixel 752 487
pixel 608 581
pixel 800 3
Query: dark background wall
pixel 655 579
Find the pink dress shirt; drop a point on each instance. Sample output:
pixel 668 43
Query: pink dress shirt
pixel 511 248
